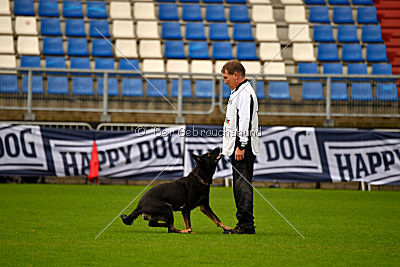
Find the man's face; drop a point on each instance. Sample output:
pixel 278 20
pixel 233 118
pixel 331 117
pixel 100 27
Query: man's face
pixel 230 80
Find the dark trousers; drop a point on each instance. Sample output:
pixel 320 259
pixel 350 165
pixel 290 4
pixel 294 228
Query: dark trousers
pixel 242 189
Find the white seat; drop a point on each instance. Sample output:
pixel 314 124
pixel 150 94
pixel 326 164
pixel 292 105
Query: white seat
pixel 262 13
pixel 259 1
pixel 8 61
pixel 251 67
pixel 295 14
pixel 218 66
pixel 5 7
pixel 150 49
pixel 177 65
pixel 147 30
pixel 292 2
pixel 303 52
pixel 266 32
pixel 301 30
pixel 120 10
pixel 144 11
pixel 201 66
pixel 275 68
pixel 7 44
pixel 153 65
pixel 25 25
pixel 126 48
pixel 5 25
pixel 28 45
pixel 270 51
pixel 123 29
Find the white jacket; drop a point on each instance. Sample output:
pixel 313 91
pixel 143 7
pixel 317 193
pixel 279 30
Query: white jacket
pixel 238 120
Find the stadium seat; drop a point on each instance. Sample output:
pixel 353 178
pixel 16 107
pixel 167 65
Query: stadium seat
pixel 195 31
pixel 382 69
pixel 191 12
pixel 299 33
pixel 275 68
pixel 295 14
pixel 239 13
pixel 343 15
pixel 6 27
pixel 270 51
pixel 236 1
pixel 357 69
pixel 339 2
pixel 376 53
pixel 339 91
pixel 156 88
pixel 144 11
pixel 201 66
pixel 129 64
pixel 319 14
pixel 279 90
pixel 75 28
pixel 188 1
pixel 266 32
pixel 99 28
pixel 28 45
pixel 57 85
pixel 150 49
pixel 363 2
pixel 30 61
pixel 5 7
pixel 292 2
pixel 82 86
pixel 333 68
pixel 367 15
pixel 24 8
pixel 386 92
pixel 312 91
pixel 347 34
pixel 55 62
pixel 226 91
pixel 174 49
pixel 7 45
pixel 72 9
pixel 327 52
pixel 8 83
pixel 177 66
pixel 122 29
pixel 132 87
pixel 323 33
pixel 154 65
pixel 112 86
pixel 120 10
pixel 213 1
pixel 218 32
pixel 371 34
pixel 308 68
pixel 351 53
pixel 80 63
pixel 222 51
pixel 96 10
pixel 77 47
pixel 37 80
pixel 104 64
pixel 101 48
pixel 215 13
pixel 198 50
pixel 361 91
pixel 126 48
pixel 50 27
pixel 260 89
pixel 48 8
pixel 171 30
pixel 262 13
pixel 168 12
pixel 186 88
pixel 53 46
pixel 251 67
pixel 246 51
pixel 147 30
pixel 243 32
pixel 203 88
pixel 25 25
pixel 315 2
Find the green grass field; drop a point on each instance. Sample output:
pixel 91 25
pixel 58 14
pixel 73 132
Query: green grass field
pixel 56 225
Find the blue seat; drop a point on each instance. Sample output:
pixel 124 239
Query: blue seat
pixel 361 91
pixel 171 30
pixel 239 13
pixel 351 53
pixel 96 9
pixel 260 89
pixel 37 80
pixel 191 12
pixel 371 34
pixel 327 52
pixel 315 2
pixel 323 33
pixel 112 86
pixel 213 1
pixel 195 31
pixel 246 51
pixel 339 91
pixel 222 50
pixel 50 27
pixel 333 68
pixel 77 47
pixel 174 49
pixel 203 88
pixel 386 92
pixel 48 8
pixel 104 64
pixel 312 91
pixel 55 62
pixel 168 12
pixel 99 28
pixel 75 27
pixel 132 87
pixel 343 15
pixel 186 88
pixel 357 69
pixel 189 1
pixel 242 32
pixel 80 63
pixel 363 2
pixel 156 88
pixel 279 90
pixel 347 34
pixel 101 48
pixel 319 14
pixel 82 86
pixel 8 83
pixel 57 85
pixel 367 15
pixel 226 91
pixel 72 9
pixel 218 32
pixel 24 8
pixel 236 1
pixel 339 2
pixel 376 53
pixel 129 64
pixel 53 46
pixel 30 61
pixel 382 69
pixel 198 50
pixel 308 68
pixel 215 13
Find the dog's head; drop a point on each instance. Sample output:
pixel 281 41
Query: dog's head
pixel 207 163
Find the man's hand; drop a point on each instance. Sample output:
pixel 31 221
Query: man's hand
pixel 239 154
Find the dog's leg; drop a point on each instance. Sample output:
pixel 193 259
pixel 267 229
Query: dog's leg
pixel 129 219
pixel 186 219
pixel 206 209
pixel 157 224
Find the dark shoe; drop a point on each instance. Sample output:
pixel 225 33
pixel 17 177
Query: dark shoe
pixel 125 219
pixel 240 230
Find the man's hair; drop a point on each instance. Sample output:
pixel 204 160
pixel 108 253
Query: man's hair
pixel 233 66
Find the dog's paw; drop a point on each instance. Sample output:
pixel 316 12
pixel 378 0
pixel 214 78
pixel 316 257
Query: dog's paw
pixel 125 219
pixel 186 231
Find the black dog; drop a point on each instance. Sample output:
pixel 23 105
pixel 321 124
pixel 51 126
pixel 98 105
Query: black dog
pixel 184 194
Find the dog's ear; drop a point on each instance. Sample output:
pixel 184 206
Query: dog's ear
pixel 196 158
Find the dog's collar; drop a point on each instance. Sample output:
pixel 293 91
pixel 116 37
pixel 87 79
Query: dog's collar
pixel 201 180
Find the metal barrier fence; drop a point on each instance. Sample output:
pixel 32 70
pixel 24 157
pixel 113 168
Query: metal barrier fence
pixel 326 95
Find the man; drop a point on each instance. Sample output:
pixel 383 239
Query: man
pixel 240 142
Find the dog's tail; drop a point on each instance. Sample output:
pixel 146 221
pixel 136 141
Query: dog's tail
pixel 128 220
